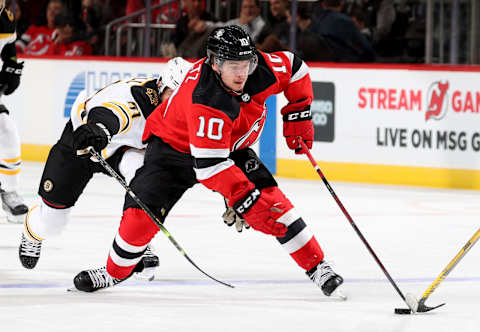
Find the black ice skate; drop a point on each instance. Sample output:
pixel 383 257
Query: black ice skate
pixel 13 206
pixel 96 279
pixel 145 269
pixel 324 277
pixel 29 252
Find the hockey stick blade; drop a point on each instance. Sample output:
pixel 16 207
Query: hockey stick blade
pixel 421 308
pixel 353 224
pixel 150 214
pixel 415 305
pixel 451 265
pixel 424 308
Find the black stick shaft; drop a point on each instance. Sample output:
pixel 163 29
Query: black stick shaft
pixel 152 216
pixel 350 220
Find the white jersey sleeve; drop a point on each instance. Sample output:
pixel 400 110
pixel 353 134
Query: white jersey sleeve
pixel 118 99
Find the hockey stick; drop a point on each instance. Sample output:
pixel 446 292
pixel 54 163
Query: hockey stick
pixel 409 299
pixel 421 303
pixel 152 216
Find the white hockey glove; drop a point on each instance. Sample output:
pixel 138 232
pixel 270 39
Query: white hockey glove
pixel 230 218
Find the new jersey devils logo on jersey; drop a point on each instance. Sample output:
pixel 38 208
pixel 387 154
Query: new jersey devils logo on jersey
pixel 251 165
pixel 252 135
pixel 245 97
pixel 437 100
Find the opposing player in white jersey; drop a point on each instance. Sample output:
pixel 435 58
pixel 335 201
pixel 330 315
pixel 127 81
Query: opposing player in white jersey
pixel 112 121
pixel 10 160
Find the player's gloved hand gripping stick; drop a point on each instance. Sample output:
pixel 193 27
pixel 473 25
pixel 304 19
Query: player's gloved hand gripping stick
pixel 297 122
pixel 94 135
pixel 10 76
pixel 145 208
pixel 409 299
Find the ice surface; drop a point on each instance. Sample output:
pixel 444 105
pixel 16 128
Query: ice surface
pixel 414 231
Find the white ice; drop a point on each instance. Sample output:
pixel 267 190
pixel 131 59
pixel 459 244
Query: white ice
pixel 414 231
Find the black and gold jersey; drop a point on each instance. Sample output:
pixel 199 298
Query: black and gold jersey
pixel 7 29
pixel 130 101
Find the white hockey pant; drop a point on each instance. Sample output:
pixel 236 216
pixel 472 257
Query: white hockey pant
pixel 10 161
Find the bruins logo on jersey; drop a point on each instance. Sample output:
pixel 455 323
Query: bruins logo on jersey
pixel 153 96
pixel 48 185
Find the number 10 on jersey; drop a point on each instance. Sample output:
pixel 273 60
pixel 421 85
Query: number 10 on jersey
pixel 214 128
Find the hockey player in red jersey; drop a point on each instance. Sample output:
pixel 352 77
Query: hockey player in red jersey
pixel 202 134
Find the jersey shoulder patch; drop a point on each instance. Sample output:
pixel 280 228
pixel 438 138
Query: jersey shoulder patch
pixel 209 92
pixel 146 96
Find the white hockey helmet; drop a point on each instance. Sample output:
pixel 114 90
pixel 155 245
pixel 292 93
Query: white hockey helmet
pixel 173 75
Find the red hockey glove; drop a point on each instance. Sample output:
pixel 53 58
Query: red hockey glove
pixel 258 209
pixel 297 121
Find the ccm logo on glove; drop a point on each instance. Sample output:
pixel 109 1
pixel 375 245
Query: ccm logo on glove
pixel 245 205
pixel 13 70
pixel 298 116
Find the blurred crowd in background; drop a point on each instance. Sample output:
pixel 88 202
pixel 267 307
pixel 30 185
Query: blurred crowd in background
pixel 326 30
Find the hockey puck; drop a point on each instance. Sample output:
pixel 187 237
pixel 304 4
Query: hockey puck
pixel 402 311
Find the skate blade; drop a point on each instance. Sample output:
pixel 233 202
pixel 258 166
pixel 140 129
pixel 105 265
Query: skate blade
pixel 148 274
pixel 338 295
pixel 15 219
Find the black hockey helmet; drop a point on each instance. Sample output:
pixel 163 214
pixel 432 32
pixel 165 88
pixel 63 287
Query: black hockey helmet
pixel 231 43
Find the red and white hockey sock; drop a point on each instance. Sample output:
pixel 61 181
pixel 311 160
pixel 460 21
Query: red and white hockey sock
pixel 135 233
pixel 299 241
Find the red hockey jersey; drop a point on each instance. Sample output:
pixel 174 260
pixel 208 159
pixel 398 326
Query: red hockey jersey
pixel 204 119
pixel 35 41
pixel 75 48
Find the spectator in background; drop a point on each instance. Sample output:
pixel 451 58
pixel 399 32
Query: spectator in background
pixel 112 9
pixel 358 17
pixel 310 46
pixel 91 18
pixel 192 29
pixel 33 10
pixel 380 15
pixel 67 38
pixel 385 26
pixel 249 19
pixel 166 14
pixel 37 38
pixel 341 35
pixel 274 35
pixel 415 34
pixel 20 19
